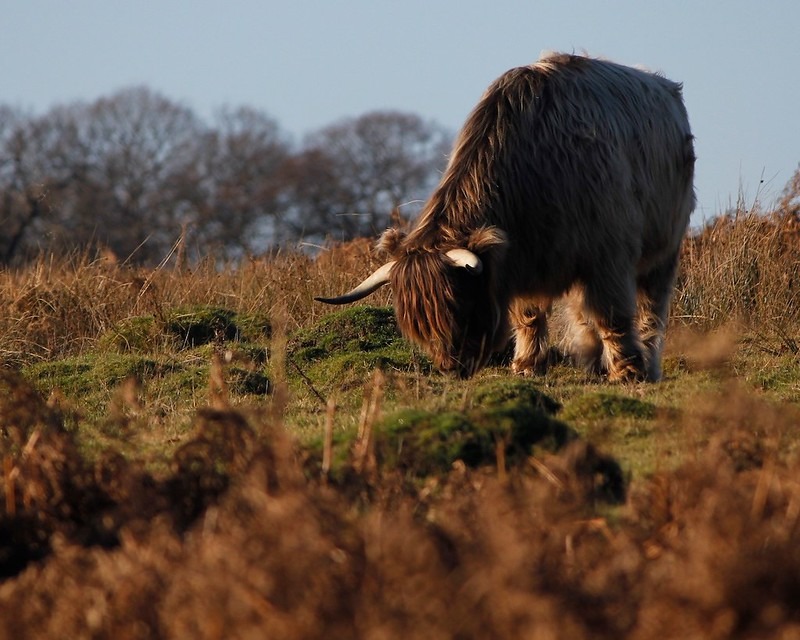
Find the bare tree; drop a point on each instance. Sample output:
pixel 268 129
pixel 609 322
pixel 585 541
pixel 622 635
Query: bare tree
pixel 234 189
pixel 105 173
pixel 352 177
pixel 136 148
pixel 35 170
pixel 15 214
pixel 134 170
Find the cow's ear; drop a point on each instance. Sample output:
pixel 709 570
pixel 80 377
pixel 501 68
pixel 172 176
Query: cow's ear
pixel 487 240
pixel 390 241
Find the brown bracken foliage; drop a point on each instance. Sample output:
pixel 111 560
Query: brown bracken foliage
pixel 237 540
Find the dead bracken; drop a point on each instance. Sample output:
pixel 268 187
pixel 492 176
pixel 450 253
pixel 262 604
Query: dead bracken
pixel 238 536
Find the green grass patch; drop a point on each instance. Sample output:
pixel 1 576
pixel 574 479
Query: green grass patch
pixel 344 347
pixel 198 325
pixel 604 405
pixel 87 375
pixel 506 417
pixel 138 334
pixel 185 327
pixel 429 420
pixel 422 443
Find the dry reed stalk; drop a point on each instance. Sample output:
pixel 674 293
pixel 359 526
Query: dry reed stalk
pixel 280 321
pixel 500 458
pixel 793 506
pixel 218 394
pixel 364 446
pixel 766 477
pixel 9 486
pixel 308 382
pixel 11 471
pixel 546 473
pixel 327 446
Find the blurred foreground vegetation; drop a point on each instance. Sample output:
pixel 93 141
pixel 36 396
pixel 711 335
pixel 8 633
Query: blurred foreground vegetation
pixel 204 452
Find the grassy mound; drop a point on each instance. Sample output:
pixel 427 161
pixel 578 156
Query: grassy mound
pixel 346 345
pixel 507 418
pixel 185 327
pixel 168 361
pixel 601 405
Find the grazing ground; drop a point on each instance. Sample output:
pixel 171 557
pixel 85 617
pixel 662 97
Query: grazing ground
pixel 206 453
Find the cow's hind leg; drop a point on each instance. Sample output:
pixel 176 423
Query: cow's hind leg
pixel 655 293
pixel 581 341
pixel 529 324
pixel 612 305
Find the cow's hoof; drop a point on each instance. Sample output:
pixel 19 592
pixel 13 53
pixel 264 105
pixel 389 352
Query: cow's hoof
pixel 627 372
pixel 528 368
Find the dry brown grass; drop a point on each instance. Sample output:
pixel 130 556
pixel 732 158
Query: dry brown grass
pixel 743 268
pixel 60 306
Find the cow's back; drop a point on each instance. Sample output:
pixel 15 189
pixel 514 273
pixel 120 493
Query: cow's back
pixel 576 159
pixel 609 161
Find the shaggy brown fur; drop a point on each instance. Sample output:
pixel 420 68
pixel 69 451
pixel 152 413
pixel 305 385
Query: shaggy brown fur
pixel 577 175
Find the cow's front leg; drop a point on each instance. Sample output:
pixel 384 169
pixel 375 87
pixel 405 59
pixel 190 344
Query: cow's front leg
pixel 529 324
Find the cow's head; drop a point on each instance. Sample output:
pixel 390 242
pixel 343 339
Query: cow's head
pixel 446 299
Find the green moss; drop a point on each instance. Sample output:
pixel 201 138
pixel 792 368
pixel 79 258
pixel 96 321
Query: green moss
pixel 74 376
pixel 347 345
pixel 247 382
pixel 100 416
pixel 195 326
pixel 634 429
pixel 598 406
pixel 114 368
pixel 185 327
pixel 357 329
pixel 508 414
pixel 198 325
pixel 518 390
pixel 186 381
pixel 93 375
pixel 138 334
pixel 251 352
pixel 90 380
pixel 253 326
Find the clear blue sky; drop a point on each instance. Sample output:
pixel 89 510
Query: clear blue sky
pixel 308 63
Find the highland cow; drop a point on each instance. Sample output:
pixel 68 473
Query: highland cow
pixel 571 175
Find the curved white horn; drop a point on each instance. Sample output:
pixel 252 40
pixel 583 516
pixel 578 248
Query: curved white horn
pixel 378 278
pixel 465 258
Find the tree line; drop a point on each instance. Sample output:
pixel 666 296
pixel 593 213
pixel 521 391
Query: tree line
pixel 134 171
